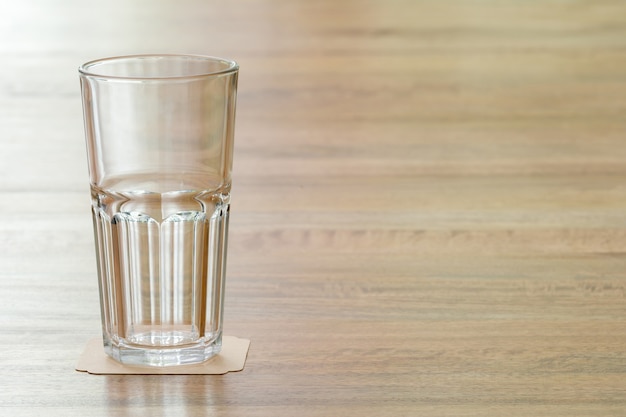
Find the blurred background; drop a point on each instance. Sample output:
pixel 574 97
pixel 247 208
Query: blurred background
pixel 402 168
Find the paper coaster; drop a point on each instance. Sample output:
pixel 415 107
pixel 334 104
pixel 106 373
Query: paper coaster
pixel 231 358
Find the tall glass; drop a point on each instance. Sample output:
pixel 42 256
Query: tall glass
pixel 159 133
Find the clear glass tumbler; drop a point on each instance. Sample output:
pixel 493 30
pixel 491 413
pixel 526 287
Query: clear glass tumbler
pixel 159 133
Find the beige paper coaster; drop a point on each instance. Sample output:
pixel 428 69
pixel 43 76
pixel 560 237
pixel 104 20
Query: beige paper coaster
pixel 232 358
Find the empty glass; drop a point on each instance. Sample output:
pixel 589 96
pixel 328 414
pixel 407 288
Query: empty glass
pixel 159 133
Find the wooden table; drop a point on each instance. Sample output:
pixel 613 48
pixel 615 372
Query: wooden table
pixel 428 219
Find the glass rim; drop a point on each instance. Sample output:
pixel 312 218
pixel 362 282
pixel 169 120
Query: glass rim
pixel 86 70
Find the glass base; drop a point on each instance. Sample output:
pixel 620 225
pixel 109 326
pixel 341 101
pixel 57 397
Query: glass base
pixel 189 354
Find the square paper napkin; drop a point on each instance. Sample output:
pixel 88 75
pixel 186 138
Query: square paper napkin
pixel 231 358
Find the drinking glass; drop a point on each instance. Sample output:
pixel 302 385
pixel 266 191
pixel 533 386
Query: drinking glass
pixel 159 134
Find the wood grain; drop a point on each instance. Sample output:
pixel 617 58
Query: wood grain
pixel 428 218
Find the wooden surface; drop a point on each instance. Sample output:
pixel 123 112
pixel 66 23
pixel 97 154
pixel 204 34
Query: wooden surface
pixel 428 218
